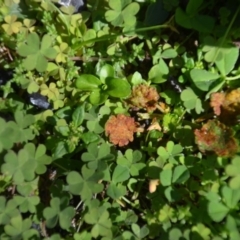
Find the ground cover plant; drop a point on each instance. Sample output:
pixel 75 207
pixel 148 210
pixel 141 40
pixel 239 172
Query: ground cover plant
pixel 119 119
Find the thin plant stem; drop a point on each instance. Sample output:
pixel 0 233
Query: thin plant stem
pixel 226 33
pixel 233 78
pixel 109 37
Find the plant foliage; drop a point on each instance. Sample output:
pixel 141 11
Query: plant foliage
pixel 119 120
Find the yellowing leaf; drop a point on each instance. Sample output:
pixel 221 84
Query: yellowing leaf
pixel 11 26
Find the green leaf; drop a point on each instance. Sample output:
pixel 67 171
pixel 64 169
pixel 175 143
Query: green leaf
pixel 201 230
pixel 78 115
pixel 166 177
pixel 156 14
pixel 84 185
pixel 98 97
pixel 21 167
pixel 116 191
pixel 74 179
pixel 180 174
pixel 136 79
pixel 66 216
pixel 59 210
pixel 46 42
pixel 87 82
pixel 122 12
pixel 27 204
pixel 60 150
pixel 191 100
pixel 226 64
pixel 217 211
pixel 231 196
pixel 32 46
pixel 129 14
pixel 41 63
pixel 163 153
pixel 131 161
pixel 8 209
pixel 233 170
pixel 203 79
pixel 39 156
pixel 169 53
pixel 157 72
pixel 232 227
pixel 120 174
pixel 140 232
pixel 106 71
pixel 182 18
pixel 89 137
pixel 201 23
pixel 193 6
pixel 117 87
pixel 97 153
pixel 99 218
pixel 175 234
pixel 215 49
pixel 36 57
pixel 89 34
pixel 9 132
pixel 19 227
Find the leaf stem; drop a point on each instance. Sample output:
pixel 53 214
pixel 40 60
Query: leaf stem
pixel 109 37
pixel 232 78
pixel 63 168
pixel 226 33
pixel 132 205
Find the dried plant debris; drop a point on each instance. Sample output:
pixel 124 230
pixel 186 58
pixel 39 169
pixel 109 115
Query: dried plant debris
pixel 120 129
pixel 226 105
pixel 216 137
pixel 144 97
pixel 216 102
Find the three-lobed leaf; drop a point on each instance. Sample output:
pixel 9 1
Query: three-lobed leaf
pixel 203 79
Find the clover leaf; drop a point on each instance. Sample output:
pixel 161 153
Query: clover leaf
pixel 20 229
pixel 20 166
pixel 39 156
pixel 132 160
pixel 228 60
pixel 27 203
pixel 166 213
pixel 140 232
pixel 53 93
pixel 98 216
pixel 170 152
pixel 37 54
pixel 59 210
pixel 203 79
pixel 180 174
pixel 233 170
pixel 202 231
pixel 191 100
pixel 16 132
pixel 122 12
pixel 61 52
pixel 191 19
pixel 85 184
pixel 8 134
pixel 8 209
pixel 11 26
pixel 97 153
